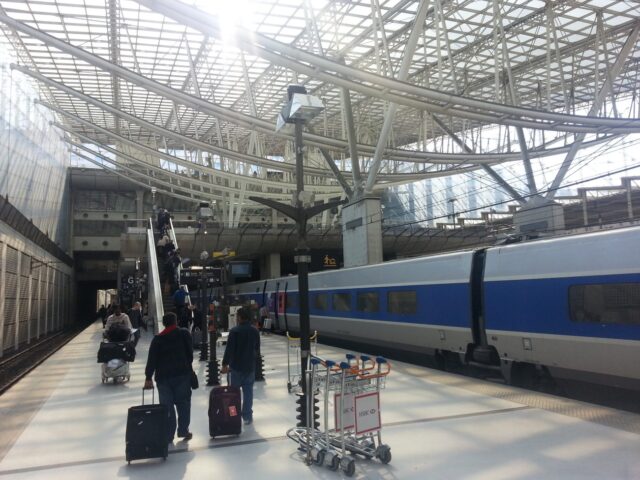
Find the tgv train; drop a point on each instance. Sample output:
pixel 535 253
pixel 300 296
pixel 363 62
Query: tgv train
pixel 569 306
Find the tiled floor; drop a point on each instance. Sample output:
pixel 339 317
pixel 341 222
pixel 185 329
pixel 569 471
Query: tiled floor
pixel 62 422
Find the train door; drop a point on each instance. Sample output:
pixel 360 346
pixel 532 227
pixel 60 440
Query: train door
pixel 263 302
pixel 276 304
pixel 480 351
pixel 286 321
pixel 477 298
pixel 282 306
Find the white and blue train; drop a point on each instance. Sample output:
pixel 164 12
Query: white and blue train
pixel 568 305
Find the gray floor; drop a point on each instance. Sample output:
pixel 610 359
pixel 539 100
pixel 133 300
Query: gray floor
pixel 61 422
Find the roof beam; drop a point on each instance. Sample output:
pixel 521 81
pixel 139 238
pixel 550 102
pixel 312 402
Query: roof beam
pixel 595 108
pixel 392 89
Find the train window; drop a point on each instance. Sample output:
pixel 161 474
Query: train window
pixel 368 302
pixel 341 302
pixel 292 301
pixel 612 303
pixel 321 301
pixel 404 302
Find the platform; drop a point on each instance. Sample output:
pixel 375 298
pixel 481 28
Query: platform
pixel 61 422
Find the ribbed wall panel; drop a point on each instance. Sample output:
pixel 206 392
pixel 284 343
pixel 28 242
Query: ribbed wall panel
pixel 33 318
pixel 25 265
pixel 11 285
pixel 51 316
pixel 9 336
pixel 43 309
pixel 12 260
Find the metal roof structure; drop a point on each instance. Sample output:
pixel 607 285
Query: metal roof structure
pixel 413 89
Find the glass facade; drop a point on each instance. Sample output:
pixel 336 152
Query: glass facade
pixel 33 157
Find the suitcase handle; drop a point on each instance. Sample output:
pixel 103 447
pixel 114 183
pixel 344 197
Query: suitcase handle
pixel 153 395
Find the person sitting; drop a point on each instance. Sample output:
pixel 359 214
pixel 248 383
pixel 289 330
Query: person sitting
pixel 118 327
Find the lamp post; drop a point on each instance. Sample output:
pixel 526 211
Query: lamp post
pixel 204 256
pixel 299 108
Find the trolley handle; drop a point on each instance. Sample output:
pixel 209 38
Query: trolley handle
pixel 384 368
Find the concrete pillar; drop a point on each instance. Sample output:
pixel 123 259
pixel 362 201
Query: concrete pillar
pixel 362 232
pixel 270 266
pixel 140 208
pixel 539 215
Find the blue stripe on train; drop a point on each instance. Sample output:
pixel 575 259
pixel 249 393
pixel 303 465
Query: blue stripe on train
pixel 447 305
pixel 542 306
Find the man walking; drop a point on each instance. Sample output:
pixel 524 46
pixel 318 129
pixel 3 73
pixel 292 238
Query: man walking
pixel 135 315
pixel 240 359
pixel 170 358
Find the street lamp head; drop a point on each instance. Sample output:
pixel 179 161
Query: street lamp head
pixel 305 107
pixel 300 107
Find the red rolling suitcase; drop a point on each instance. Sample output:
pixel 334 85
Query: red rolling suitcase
pixel 225 411
pixel 147 427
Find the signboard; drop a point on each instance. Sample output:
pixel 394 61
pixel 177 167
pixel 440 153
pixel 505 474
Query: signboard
pixel 348 417
pixel 329 262
pixel 367 407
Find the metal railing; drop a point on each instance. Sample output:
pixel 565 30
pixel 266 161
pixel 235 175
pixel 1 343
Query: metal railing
pixel 156 308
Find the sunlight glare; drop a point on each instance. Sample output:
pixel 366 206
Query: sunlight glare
pixel 232 14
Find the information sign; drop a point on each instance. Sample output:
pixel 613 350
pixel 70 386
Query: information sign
pixel 367 409
pixel 348 416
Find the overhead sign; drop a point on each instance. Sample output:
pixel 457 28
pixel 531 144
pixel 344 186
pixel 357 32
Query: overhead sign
pixel 329 262
pixel 224 253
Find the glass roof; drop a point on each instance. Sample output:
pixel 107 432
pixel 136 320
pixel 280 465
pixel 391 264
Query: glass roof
pixel 502 63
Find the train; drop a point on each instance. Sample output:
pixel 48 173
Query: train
pixel 566 306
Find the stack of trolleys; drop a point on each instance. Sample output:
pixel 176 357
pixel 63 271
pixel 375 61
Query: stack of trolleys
pixel 356 385
pixel 293 360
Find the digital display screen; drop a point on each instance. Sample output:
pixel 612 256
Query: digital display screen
pixel 240 269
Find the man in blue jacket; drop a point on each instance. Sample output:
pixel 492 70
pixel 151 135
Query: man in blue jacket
pixel 240 359
pixel 170 358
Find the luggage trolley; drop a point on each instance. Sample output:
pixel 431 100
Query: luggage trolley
pixel 293 360
pixel 116 368
pixel 362 380
pixel 356 385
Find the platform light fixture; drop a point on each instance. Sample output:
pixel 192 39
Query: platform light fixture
pixel 300 108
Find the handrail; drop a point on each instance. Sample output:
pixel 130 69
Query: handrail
pixel 155 306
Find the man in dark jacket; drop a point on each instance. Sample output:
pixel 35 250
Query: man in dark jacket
pixel 240 359
pixel 170 358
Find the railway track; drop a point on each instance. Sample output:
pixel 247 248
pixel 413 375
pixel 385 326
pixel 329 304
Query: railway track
pixel 17 365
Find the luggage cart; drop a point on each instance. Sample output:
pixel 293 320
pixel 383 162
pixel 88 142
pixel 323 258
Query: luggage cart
pixel 293 360
pixel 363 379
pixel 358 378
pixel 116 369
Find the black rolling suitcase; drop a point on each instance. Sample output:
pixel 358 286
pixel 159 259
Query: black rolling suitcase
pixel 147 428
pixel 225 411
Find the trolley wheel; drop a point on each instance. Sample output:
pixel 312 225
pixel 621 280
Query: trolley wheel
pixel 334 464
pixel 319 457
pixel 289 387
pixel 128 377
pixel 349 468
pixel 128 462
pixel 384 454
pixel 102 379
